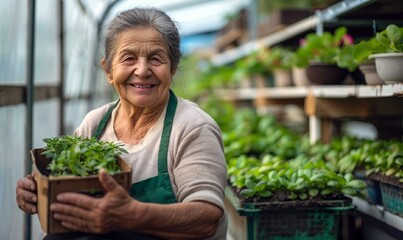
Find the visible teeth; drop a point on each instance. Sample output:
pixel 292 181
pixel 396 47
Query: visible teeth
pixel 142 86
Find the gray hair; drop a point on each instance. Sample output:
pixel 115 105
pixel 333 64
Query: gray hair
pixel 143 17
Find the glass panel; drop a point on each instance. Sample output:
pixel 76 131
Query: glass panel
pixel 12 156
pixel 46 121
pixel 47 42
pixel 75 112
pixel 13 32
pixel 80 44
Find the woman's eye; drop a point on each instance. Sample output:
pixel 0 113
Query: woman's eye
pixel 155 61
pixel 128 58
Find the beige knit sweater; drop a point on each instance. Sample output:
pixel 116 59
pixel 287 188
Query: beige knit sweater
pixel 196 162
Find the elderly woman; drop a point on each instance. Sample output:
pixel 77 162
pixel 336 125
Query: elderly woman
pixel 175 148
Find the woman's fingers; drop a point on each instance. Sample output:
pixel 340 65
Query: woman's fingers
pixel 27 183
pixel 26 194
pixel 27 207
pixel 107 181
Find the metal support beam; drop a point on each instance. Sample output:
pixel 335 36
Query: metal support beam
pixel 29 100
pixel 61 67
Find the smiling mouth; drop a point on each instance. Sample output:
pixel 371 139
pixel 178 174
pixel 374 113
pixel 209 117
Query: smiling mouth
pixel 142 86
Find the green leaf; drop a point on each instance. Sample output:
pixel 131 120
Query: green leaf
pixel 326 191
pixel 247 192
pixel 260 186
pixel 250 184
pixel 266 193
pixel 393 34
pixel 349 191
pixel 333 183
pixel 348 177
pixel 357 184
pixel 313 192
pixel 303 196
pixel 293 196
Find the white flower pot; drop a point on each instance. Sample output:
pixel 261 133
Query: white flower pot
pixel 389 66
pixel 371 76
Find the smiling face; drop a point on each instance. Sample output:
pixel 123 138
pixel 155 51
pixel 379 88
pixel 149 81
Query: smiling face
pixel 140 69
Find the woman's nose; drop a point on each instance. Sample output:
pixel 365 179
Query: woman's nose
pixel 142 68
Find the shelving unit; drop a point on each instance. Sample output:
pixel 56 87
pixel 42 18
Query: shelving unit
pixel 321 104
pixel 312 23
pixel 345 12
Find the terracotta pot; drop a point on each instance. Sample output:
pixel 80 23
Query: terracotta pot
pixel 299 76
pixel 326 74
pixel 389 66
pixel 282 78
pixel 371 76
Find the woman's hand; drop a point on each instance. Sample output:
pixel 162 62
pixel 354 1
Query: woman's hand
pixel 117 211
pixel 95 215
pixel 26 194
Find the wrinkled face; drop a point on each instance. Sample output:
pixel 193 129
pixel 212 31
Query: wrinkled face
pixel 141 68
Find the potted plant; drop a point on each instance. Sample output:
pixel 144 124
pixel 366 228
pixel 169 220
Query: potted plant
pixel 71 163
pixel 355 58
pixel 318 53
pixel 279 61
pixel 389 64
pixel 361 55
pixel 251 70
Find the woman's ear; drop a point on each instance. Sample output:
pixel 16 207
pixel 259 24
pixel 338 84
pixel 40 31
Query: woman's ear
pixel 107 72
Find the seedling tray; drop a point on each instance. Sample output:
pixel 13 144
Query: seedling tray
pixel 285 220
pixel 391 192
pixel 372 193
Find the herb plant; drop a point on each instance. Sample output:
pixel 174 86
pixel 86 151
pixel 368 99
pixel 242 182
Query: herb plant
pixel 266 159
pixel 300 178
pixel 322 48
pixel 81 156
pixel 279 57
pixel 391 38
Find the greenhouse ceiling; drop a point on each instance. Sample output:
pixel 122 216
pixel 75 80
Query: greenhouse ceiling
pixel 192 16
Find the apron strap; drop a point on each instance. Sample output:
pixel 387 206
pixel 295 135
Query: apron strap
pixel 102 124
pixel 166 133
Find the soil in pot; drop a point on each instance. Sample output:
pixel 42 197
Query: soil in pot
pixel 279 201
pixel 326 74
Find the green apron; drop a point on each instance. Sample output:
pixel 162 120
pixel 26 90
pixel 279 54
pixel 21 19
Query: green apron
pixel 156 189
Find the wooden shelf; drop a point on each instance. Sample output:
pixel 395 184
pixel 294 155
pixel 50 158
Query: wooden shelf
pixel 354 101
pixel 334 91
pixel 358 91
